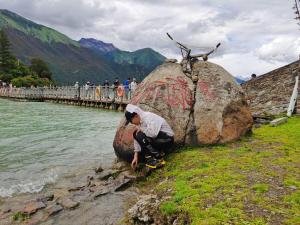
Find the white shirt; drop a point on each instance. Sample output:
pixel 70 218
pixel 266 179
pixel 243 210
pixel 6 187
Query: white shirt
pixel 151 124
pixel 132 86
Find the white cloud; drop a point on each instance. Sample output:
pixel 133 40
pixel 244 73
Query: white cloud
pixel 282 48
pixel 235 63
pixel 256 35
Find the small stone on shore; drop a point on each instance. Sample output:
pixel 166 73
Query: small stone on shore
pixel 76 188
pixel 53 209
pixel 6 209
pixel 257 125
pixel 98 169
pixel 33 207
pixel 278 121
pixel 293 187
pixel 129 174
pixel 121 166
pixel 107 174
pixel 140 212
pixel 46 197
pixel 68 203
pixel 122 185
pixel 100 192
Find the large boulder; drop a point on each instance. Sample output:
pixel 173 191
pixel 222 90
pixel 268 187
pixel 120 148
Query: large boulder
pixel 210 109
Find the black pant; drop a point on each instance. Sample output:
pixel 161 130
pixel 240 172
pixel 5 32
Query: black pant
pixel 153 146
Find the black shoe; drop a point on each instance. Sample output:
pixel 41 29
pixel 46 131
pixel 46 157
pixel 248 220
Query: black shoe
pixel 162 154
pixel 161 162
pixel 155 163
pixel 151 163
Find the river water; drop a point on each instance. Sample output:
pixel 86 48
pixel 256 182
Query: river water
pixel 41 143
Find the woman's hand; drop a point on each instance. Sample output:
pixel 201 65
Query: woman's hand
pixel 137 130
pixel 135 160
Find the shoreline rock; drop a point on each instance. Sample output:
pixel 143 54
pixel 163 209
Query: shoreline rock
pixel 55 207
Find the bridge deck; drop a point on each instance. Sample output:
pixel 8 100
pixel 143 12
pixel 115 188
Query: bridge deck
pixel 105 97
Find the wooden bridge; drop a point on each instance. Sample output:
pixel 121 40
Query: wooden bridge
pixel 96 96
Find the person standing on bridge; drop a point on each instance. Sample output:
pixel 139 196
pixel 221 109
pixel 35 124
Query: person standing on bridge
pixel 116 85
pixel 132 87
pixel 77 89
pixel 126 86
pixel 106 89
pixel 87 87
pixel 152 139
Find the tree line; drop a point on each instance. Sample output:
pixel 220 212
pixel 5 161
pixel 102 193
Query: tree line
pixel 13 71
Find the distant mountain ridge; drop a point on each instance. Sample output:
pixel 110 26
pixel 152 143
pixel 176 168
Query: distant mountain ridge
pixel 239 80
pixel 97 45
pixel 146 57
pixel 72 61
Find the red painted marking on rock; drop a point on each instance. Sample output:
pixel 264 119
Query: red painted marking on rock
pixel 203 86
pixel 174 91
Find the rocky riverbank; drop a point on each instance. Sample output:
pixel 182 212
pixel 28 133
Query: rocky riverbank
pixel 102 197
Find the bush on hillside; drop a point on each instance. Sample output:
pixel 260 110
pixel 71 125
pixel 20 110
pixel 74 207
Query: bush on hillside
pixel 12 70
pixel 40 68
pixel 31 80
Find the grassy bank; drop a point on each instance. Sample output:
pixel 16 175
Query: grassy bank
pixel 252 181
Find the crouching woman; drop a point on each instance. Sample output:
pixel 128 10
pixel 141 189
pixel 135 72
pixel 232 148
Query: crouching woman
pixel 152 139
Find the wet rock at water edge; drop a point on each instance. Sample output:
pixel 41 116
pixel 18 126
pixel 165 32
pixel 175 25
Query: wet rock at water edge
pixel 122 184
pixel 68 203
pixel 32 207
pixel 53 209
pixel 100 192
pixel 107 174
pixel 5 209
pixel 90 180
pixel 36 218
pixel 98 169
pixel 76 188
pixel 46 198
pixel 129 174
pixel 120 166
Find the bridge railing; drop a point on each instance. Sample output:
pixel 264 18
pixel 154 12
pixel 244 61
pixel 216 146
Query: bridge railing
pixel 92 93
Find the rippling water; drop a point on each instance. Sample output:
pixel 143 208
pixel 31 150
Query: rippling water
pixel 42 142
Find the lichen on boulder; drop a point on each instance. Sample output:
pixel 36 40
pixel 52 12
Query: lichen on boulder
pixel 207 107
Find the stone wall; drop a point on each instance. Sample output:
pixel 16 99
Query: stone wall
pixel 271 92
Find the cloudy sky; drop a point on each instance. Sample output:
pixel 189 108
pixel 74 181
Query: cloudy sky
pixel 257 36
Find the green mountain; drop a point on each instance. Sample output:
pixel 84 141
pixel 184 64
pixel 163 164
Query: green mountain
pixel 146 57
pixel 68 60
pixel 45 34
pixel 143 60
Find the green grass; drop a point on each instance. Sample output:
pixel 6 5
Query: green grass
pixel 19 216
pixel 168 208
pixel 252 181
pixel 260 188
